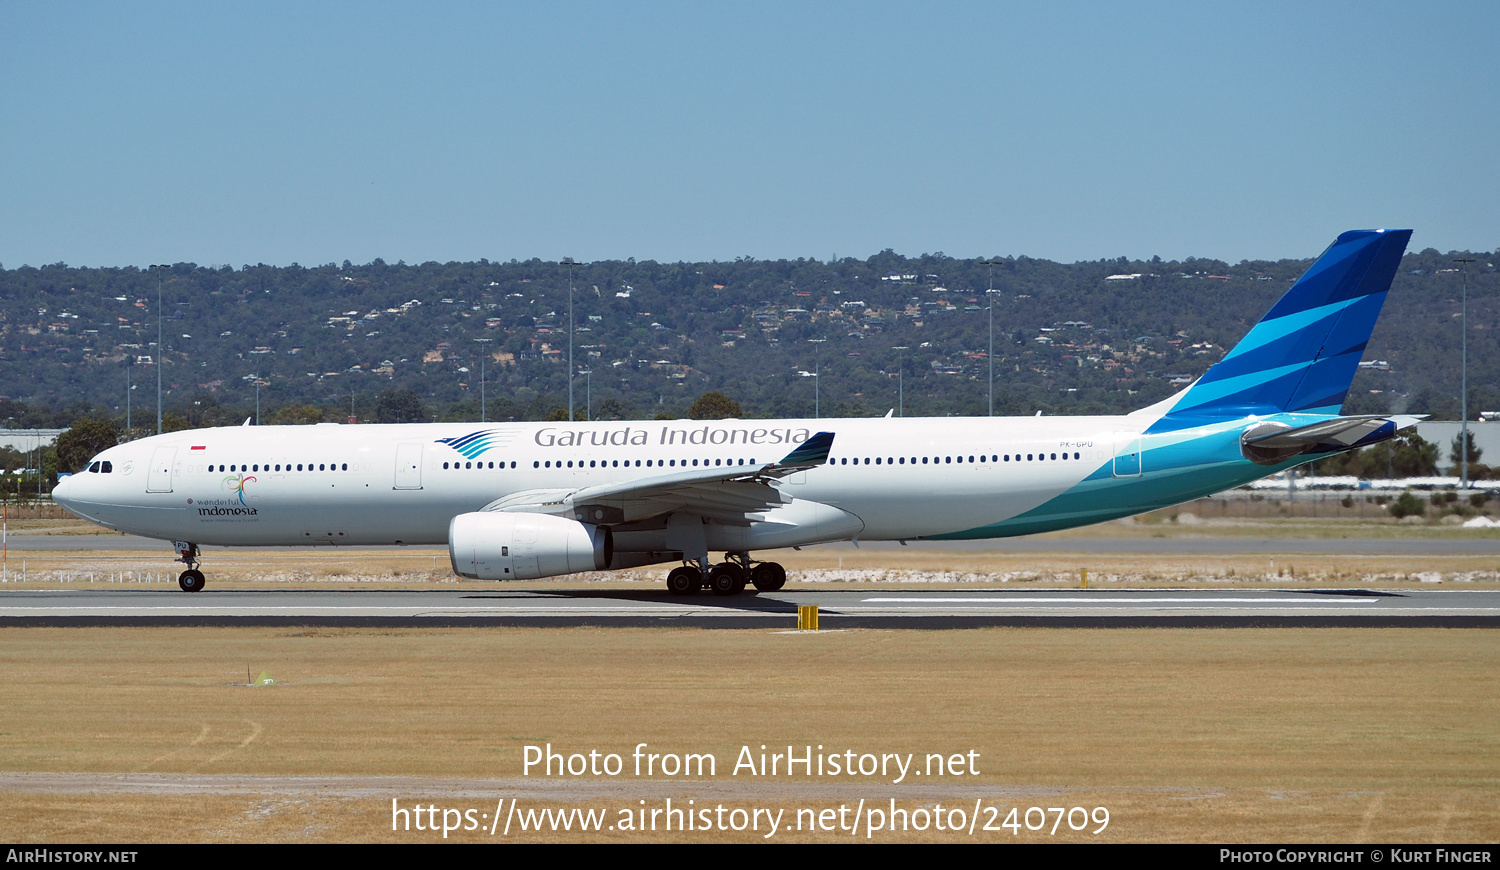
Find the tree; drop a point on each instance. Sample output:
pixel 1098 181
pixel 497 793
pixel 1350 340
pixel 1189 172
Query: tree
pixel 83 441
pixel 298 415
pixel 1412 456
pixel 1455 453
pixel 399 406
pixel 715 406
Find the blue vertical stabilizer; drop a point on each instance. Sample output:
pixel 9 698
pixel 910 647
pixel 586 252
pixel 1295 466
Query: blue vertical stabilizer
pixel 1303 354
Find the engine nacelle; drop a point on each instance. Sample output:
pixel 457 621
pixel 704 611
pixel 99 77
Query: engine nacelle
pixel 496 545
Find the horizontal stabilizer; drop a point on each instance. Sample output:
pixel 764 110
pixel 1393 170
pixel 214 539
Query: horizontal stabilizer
pixel 1270 443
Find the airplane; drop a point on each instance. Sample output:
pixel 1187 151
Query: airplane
pixel 518 501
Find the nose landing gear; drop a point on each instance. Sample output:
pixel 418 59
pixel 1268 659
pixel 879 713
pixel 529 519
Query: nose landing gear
pixel 191 580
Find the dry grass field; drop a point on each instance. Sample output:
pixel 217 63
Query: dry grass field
pixel 1184 735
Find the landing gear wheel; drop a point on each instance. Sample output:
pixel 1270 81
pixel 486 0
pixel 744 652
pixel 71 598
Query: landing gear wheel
pixel 726 578
pixel 684 581
pixel 768 576
pixel 191 580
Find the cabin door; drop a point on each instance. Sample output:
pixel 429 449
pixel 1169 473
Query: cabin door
pixel 408 466
pixel 1127 454
pixel 159 476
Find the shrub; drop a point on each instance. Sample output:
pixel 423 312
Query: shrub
pixel 1408 505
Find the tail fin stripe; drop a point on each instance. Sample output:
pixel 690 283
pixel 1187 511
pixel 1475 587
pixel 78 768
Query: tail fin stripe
pixel 1269 330
pixel 1273 353
pixel 1244 391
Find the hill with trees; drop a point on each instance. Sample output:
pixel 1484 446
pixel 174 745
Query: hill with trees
pixel 399 342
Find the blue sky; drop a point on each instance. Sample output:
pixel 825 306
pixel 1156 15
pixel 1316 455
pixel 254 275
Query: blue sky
pixel 136 133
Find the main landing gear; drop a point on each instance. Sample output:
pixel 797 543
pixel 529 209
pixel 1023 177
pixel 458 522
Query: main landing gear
pixel 728 577
pixel 192 579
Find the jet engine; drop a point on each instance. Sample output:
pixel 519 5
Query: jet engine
pixel 496 545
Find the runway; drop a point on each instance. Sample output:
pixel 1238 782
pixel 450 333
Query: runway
pixel 1207 543
pixel 838 609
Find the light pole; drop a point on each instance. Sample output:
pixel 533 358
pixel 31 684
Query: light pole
pixel 588 393
pixel 817 377
pixel 129 360
pixel 485 353
pixel 570 263
pixel 900 381
pixel 257 401
pixel 160 358
pixel 1464 381
pixel 989 304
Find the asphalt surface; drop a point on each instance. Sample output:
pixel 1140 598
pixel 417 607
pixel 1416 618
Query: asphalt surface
pixel 840 609
pixel 1178 544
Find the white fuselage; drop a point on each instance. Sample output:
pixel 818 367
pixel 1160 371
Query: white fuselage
pixel 386 484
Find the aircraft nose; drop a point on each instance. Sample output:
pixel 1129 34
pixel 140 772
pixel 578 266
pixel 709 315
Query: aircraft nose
pixel 63 492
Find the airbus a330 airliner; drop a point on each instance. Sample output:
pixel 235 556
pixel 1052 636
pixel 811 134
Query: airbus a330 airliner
pixel 528 500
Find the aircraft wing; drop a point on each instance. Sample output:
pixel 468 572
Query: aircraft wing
pixel 728 494
pixel 1340 433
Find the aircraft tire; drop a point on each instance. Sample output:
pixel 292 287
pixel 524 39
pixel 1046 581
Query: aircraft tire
pixel 191 580
pixel 768 576
pixel 726 578
pixel 684 580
